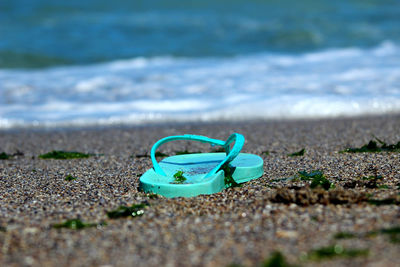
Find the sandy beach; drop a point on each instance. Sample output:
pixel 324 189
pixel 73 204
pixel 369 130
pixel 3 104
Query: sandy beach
pixel 359 219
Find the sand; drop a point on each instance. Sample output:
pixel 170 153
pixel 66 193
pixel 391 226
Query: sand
pixel 242 225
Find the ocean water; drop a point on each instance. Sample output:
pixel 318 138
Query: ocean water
pixel 135 62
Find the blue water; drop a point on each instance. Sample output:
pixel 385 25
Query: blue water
pixel 104 62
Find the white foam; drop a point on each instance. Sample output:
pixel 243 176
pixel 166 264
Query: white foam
pixel 341 82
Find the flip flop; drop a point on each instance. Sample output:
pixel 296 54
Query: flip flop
pixel 190 175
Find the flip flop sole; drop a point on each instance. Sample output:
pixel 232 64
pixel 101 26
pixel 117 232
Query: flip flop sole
pixel 194 168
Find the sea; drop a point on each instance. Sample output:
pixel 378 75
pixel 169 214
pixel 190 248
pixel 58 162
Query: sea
pixel 101 62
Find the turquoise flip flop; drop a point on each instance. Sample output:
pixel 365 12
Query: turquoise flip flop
pixel 201 173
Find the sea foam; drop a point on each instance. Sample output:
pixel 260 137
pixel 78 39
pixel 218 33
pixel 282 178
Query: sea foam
pixel 330 83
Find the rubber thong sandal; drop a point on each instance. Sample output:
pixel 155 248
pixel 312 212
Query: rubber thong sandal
pixel 190 175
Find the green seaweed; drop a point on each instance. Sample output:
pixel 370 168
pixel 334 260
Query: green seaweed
pixel 373 177
pixel 4 156
pixel 317 179
pixel 265 153
pixel 124 211
pixel 393 232
pixel 373 147
pixel 385 201
pixel 298 153
pixel 179 178
pixel 344 235
pixel 371 234
pixel 75 224
pixel 383 186
pixel 70 178
pixel 336 251
pixel 395 239
pixel 323 182
pixel 228 179
pixel 276 260
pixel 306 176
pixel 160 154
pixel 59 154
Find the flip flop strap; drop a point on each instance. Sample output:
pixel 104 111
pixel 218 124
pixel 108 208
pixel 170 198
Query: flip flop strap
pixel 231 153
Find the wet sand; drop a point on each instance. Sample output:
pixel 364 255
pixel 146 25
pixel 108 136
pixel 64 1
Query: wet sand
pixel 242 225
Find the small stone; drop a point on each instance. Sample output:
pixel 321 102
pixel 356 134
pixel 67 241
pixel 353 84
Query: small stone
pixel 286 234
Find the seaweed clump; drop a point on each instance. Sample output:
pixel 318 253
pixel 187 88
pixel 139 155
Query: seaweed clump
pixel 336 251
pixel 392 232
pixel 70 178
pixel 317 179
pixel 276 260
pixel 179 178
pixel 228 179
pixel 373 147
pixel 75 224
pixel 385 201
pixel 135 210
pixel 298 153
pixel 4 155
pixel 160 154
pixel 59 154
pixel 344 235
